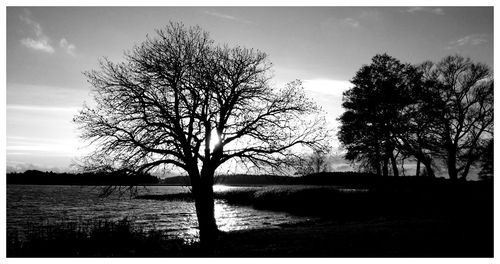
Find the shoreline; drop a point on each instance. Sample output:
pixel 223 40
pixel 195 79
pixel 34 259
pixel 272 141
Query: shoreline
pixel 385 222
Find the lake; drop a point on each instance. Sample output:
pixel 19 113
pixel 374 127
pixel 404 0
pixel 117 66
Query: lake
pixel 47 204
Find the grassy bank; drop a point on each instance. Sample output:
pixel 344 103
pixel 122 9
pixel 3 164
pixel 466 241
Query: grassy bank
pixel 94 239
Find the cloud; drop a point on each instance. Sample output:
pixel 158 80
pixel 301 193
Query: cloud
pixel 332 24
pixel 351 22
pixel 358 21
pixel 38 45
pixel 40 41
pixel 435 11
pixel 36 27
pixel 37 108
pixel 46 148
pixel 68 47
pixel 46 95
pixel 228 17
pixel 469 40
pixel 370 15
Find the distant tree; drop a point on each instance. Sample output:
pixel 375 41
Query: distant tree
pixel 181 100
pixel 373 112
pixel 460 103
pixel 315 162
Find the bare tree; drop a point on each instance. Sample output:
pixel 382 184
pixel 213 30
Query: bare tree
pixel 487 161
pixel 180 100
pixel 315 162
pixel 461 106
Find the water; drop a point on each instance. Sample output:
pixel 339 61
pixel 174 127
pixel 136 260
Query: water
pixel 46 204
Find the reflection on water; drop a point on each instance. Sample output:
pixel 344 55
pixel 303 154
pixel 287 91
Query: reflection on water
pixel 45 204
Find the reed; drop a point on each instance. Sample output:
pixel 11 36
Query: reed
pixel 95 238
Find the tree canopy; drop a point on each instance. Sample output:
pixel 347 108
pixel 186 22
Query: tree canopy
pixel 373 112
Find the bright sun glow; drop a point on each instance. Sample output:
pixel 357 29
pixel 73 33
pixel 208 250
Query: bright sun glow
pixel 222 188
pixel 214 140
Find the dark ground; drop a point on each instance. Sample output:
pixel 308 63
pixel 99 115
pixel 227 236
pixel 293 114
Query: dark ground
pixel 375 238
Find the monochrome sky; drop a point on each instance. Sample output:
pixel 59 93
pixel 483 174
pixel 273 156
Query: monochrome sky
pixel 48 48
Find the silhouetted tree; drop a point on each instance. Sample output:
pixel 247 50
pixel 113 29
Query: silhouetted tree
pixel 487 160
pixel 373 108
pixel 181 100
pixel 315 162
pixel 418 120
pixel 461 105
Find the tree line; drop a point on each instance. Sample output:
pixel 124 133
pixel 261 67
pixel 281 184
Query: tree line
pixel 435 113
pixel 88 178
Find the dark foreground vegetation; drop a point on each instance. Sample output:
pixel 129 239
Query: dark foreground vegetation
pixel 394 217
pixel 398 218
pixel 94 239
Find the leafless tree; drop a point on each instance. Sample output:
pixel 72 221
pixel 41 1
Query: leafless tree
pixel 181 100
pixel 315 162
pixel 461 106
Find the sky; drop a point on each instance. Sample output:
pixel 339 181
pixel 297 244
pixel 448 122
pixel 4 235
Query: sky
pixel 48 49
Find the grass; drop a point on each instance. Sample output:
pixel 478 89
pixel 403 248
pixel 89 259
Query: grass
pixel 93 239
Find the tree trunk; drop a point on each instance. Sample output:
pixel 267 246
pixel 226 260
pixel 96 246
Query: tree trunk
pixel 452 165
pixel 428 167
pixel 394 166
pixel 377 159
pixel 385 169
pixel 204 204
pixel 467 165
pixel 387 156
pixel 465 172
pixel 417 173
